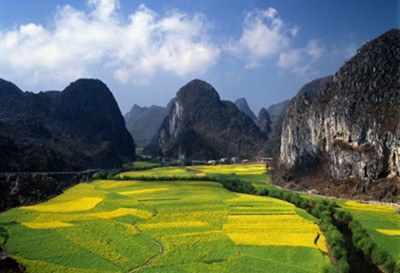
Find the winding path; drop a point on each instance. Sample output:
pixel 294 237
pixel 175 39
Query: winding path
pixel 152 259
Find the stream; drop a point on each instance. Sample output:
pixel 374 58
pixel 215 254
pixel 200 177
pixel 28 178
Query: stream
pixel 357 260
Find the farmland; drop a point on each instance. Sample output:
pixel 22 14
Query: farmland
pixel 164 226
pixel 381 222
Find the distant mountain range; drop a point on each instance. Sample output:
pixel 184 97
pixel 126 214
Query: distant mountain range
pixel 243 106
pixel 78 128
pixel 275 110
pixel 143 123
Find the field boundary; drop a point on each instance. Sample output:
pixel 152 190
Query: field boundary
pixel 152 259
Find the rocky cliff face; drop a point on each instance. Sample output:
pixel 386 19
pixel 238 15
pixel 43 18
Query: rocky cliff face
pixel 264 122
pixel 80 127
pixel 201 126
pixel 351 125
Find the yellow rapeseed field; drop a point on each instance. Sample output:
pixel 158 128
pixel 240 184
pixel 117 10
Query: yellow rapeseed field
pixel 394 232
pixel 276 224
pixel 253 169
pixel 80 204
pixel 368 207
pixel 142 191
pixel 46 225
pixel 115 184
pixel 277 238
pixel 122 212
pixel 165 226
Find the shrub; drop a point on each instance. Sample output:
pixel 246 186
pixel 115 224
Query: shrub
pixel 379 256
pixel 390 266
pixel 105 174
pixel 343 266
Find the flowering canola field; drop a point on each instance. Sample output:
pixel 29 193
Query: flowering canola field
pixel 176 226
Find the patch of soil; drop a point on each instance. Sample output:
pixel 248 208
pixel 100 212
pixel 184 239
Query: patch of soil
pixel 384 189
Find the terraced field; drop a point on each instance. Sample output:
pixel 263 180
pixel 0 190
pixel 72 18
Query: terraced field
pixel 185 226
pixel 382 222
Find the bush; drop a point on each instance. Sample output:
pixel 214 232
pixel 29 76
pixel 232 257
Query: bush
pixel 344 216
pixel 236 185
pixel 390 266
pixel 304 204
pixel 379 256
pixel 343 265
pixel 105 174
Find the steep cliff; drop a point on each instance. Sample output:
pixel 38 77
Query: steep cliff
pixel 350 126
pixel 201 126
pixel 263 121
pixel 78 128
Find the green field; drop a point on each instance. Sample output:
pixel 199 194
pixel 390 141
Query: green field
pixel 381 222
pixel 185 226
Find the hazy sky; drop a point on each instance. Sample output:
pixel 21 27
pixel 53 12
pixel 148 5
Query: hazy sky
pixel 146 50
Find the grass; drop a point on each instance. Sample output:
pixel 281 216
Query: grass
pixel 179 226
pixel 381 222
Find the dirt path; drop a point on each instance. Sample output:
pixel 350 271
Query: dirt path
pixel 152 259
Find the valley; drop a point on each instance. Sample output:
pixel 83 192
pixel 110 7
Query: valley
pixel 186 225
pixel 310 184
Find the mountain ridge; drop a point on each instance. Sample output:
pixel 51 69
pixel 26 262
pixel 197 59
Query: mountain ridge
pixel 351 127
pixel 201 126
pixel 77 128
pixel 243 106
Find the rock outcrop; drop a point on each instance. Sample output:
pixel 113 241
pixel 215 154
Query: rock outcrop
pixel 349 125
pixel 264 122
pixel 243 106
pixel 201 126
pixel 21 189
pixel 78 128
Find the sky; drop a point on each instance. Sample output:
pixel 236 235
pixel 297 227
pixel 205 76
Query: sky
pixel 263 50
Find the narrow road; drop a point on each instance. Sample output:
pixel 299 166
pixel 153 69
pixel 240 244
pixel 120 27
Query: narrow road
pixel 55 172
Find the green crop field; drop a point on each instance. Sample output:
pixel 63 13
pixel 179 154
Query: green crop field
pixel 185 226
pixel 382 222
